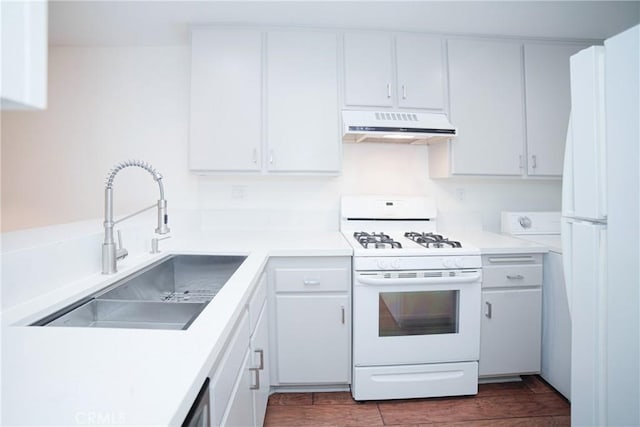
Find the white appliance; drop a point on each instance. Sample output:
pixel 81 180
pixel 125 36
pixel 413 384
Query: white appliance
pixel 544 228
pixel 600 235
pixel 416 301
pixel 396 126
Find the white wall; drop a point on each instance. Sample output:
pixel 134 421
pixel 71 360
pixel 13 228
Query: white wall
pixel 105 105
pixel 108 104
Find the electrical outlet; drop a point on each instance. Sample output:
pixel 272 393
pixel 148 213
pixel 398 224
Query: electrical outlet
pixel 460 194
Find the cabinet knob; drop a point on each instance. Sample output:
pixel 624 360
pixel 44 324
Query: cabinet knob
pixel 534 161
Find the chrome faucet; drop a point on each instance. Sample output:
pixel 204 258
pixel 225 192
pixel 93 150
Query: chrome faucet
pixel 111 254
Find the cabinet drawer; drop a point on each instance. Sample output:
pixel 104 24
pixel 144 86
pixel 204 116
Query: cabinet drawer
pixel 507 271
pixel 512 276
pixel 312 279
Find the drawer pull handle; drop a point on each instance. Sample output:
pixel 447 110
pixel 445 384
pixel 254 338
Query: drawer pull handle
pixel 261 353
pixel 311 282
pixel 487 313
pixel 343 318
pixel 255 386
pixel 515 277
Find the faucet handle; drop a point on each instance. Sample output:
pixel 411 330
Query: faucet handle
pixel 120 251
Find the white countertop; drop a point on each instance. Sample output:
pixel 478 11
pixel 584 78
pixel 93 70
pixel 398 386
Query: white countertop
pixel 551 241
pixel 493 243
pixel 68 376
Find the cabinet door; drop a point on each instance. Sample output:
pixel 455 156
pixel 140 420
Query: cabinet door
pixel 226 101
pixel 302 102
pixel 313 339
pixel 23 55
pixel 420 72
pixel 239 411
pixel 261 360
pixel 548 100
pixel 487 106
pixel 510 333
pixel 368 70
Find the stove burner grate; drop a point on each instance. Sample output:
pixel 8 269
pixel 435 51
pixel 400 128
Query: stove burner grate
pixel 378 240
pixel 432 240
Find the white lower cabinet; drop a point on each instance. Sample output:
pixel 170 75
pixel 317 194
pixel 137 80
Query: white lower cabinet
pixel 313 339
pixel 311 321
pixel 240 382
pixel 511 332
pixel 238 411
pixel 260 366
pixel 511 325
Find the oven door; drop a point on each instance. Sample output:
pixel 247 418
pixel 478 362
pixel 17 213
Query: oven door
pixel 416 317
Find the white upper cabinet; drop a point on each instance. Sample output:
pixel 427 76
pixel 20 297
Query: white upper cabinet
pixel 24 55
pixel 302 102
pixel 368 69
pixel 226 100
pixel 548 101
pixel 487 107
pixel 264 102
pixel 420 72
pixel 511 119
pixel 402 71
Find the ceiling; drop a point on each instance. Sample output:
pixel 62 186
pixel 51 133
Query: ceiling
pixel 167 22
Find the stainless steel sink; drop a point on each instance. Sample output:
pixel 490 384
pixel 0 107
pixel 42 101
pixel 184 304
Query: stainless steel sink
pixel 99 313
pixel 179 278
pixel 169 294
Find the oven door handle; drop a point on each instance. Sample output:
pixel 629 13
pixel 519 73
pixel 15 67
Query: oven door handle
pixel 418 280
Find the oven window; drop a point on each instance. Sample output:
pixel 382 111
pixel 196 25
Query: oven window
pixel 418 313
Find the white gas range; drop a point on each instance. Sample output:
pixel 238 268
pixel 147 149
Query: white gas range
pixel 416 301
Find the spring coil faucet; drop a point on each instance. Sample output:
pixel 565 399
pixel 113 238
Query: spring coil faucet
pixel 111 254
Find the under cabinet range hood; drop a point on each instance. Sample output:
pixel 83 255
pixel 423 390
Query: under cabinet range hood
pixel 397 127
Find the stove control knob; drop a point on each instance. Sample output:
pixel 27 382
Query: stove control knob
pixel 395 264
pixel 459 262
pixel 382 264
pixel 448 263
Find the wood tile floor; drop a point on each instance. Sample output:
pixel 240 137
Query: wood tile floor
pixel 531 402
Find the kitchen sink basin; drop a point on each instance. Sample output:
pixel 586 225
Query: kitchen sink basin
pixel 179 278
pixel 99 313
pixel 169 294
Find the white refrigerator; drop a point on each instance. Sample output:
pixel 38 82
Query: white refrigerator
pixel 600 232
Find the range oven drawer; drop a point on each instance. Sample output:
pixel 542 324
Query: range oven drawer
pixel 415 381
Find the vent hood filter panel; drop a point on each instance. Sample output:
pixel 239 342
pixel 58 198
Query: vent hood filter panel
pixel 409 128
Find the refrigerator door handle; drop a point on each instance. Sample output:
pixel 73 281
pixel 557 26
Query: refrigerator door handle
pixel 567 251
